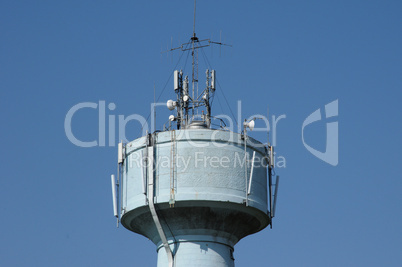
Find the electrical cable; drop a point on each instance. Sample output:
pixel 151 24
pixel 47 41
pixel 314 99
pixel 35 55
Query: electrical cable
pixel 170 76
pixel 221 89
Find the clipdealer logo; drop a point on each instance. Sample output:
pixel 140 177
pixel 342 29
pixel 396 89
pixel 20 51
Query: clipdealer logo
pixel 109 122
pixel 330 155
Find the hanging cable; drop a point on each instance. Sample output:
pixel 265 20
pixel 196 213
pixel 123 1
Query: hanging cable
pixel 170 76
pixel 209 65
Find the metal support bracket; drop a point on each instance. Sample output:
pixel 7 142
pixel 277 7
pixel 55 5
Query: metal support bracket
pixel 152 206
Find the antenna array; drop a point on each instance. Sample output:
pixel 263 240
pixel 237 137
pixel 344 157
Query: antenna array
pixel 187 104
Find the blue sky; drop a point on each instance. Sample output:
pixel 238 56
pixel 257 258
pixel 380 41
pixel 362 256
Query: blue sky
pixel 293 56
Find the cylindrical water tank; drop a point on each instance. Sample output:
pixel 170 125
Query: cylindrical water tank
pixel 202 193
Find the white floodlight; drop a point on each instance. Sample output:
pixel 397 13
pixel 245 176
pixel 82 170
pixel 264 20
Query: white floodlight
pixel 185 98
pixel 250 124
pixel 171 104
pixel 172 118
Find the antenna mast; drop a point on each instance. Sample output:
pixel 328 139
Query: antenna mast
pixel 194 18
pixel 185 102
pixel 194 76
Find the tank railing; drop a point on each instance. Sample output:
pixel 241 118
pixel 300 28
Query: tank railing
pixel 197 117
pixel 221 125
pixel 218 123
pixel 169 122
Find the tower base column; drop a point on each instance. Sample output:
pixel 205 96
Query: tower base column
pixel 197 254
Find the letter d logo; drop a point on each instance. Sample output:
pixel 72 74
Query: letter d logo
pixel 330 155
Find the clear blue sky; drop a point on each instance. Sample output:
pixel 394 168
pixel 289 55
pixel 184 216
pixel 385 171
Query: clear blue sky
pixel 295 56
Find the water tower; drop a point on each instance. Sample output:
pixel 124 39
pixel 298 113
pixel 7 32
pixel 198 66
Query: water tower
pixel 196 188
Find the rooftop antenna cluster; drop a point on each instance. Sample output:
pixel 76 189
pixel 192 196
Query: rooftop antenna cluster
pixel 188 103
